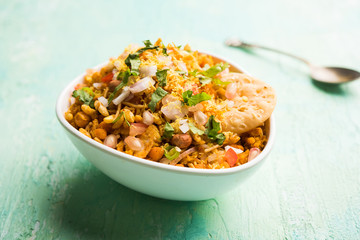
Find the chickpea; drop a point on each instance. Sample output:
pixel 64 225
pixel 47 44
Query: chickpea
pixel 81 119
pixel 156 153
pixel 100 133
pixel 69 116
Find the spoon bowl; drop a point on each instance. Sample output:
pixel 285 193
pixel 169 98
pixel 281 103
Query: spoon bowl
pixel 332 75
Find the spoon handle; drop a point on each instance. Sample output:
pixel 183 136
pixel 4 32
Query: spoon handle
pixel 240 44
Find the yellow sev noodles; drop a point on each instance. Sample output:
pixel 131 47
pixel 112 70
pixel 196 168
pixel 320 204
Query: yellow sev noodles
pixel 110 123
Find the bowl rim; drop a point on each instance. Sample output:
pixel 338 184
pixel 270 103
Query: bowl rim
pixel 63 98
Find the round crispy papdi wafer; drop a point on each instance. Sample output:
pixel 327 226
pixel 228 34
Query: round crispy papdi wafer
pixel 253 105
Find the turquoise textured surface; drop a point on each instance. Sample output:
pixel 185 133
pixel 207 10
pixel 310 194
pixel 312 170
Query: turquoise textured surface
pixel 309 187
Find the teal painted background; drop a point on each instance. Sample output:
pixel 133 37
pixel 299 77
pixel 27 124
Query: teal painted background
pixel 309 187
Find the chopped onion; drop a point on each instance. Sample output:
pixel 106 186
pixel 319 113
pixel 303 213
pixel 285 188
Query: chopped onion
pixel 148 71
pixel 97 85
pixel 182 121
pixel 131 96
pixel 137 129
pixel 182 155
pixel 182 67
pixel 104 101
pixel 197 107
pixel 110 141
pixel 174 110
pixel 124 94
pixel 142 85
pixel 231 91
pixel 212 157
pixel 253 153
pixel 148 118
pixel 117 64
pixel 200 118
pixel 168 98
pixel 72 100
pixel 134 143
pixel 236 150
pixel 184 127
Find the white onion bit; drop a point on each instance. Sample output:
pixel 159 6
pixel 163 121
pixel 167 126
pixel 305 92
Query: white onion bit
pixel 142 85
pixel 72 100
pixel 148 118
pixel 148 71
pixel 236 150
pixel 124 94
pixel 97 85
pixel 104 101
pixel 184 127
pixel 174 110
pixel 200 118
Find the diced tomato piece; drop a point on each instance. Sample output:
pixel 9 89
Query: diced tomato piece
pixel 231 157
pixel 107 78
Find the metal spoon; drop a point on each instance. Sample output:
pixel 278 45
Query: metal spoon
pixel 333 75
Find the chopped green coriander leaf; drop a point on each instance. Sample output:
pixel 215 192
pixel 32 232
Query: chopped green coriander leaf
pixel 85 95
pixel 212 129
pixel 219 82
pixel 178 46
pixel 194 73
pixel 156 97
pixel 118 118
pixel 168 131
pixel 192 100
pixel 170 152
pixel 133 62
pixel 181 72
pixel 194 129
pixel 164 51
pixel 124 77
pixel 218 68
pixel 186 96
pixel 161 77
pixel 205 80
pixel 148 43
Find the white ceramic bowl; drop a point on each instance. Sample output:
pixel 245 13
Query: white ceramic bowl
pixel 157 179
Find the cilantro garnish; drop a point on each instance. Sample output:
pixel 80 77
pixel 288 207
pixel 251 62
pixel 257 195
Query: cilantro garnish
pixel 192 100
pixel 118 118
pixel 170 152
pixel 164 51
pixel 156 97
pixel 124 77
pixel 194 129
pixel 85 95
pixel 206 76
pixel 133 60
pixel 214 70
pixel 212 129
pixel 219 82
pixel 161 77
pixel 168 130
